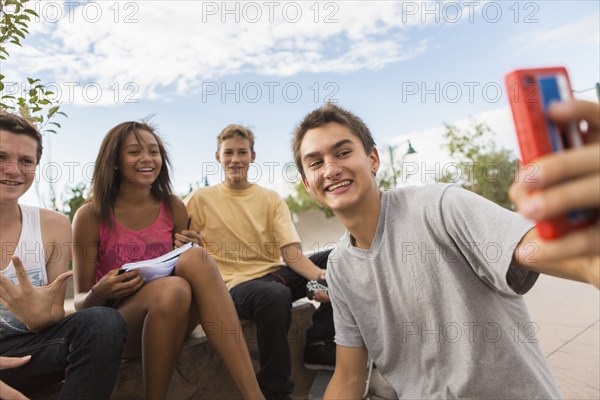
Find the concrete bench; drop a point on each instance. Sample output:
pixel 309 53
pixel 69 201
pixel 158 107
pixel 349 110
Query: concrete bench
pixel 200 373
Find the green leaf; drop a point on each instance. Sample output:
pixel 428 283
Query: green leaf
pixel 52 111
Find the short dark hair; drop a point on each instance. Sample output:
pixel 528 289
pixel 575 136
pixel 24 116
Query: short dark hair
pixel 20 126
pixel 324 115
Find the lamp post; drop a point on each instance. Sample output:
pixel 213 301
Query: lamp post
pixel 391 149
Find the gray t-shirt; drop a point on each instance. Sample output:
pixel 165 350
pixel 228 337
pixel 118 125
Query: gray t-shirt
pixel 436 299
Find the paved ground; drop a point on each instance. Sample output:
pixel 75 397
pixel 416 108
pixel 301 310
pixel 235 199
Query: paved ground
pixel 568 316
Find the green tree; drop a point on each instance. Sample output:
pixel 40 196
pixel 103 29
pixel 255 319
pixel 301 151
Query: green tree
pixel 31 99
pixel 302 201
pixel 76 198
pixel 34 100
pixel 481 168
pixel 390 170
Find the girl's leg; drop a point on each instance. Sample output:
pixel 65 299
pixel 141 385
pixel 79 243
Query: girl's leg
pixel 157 317
pixel 218 317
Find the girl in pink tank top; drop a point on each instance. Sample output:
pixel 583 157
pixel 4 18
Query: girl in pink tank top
pixel 132 215
pixel 119 245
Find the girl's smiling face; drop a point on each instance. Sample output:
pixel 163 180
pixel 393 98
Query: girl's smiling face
pixel 141 161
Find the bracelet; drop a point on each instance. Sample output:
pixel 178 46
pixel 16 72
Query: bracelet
pixel 96 296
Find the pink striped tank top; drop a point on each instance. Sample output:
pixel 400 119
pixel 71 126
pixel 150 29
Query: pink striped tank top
pixel 120 245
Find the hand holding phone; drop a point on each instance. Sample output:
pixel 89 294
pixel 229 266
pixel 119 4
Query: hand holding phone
pixel 531 94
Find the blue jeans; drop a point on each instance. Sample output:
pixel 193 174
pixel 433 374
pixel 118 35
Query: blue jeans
pixel 84 350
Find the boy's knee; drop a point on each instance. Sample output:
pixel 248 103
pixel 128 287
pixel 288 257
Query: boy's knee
pixel 276 297
pixel 101 323
pixel 101 317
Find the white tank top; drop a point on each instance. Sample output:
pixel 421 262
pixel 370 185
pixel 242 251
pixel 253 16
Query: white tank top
pixel 30 249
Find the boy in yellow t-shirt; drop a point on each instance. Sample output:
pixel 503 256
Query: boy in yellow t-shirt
pixel 248 230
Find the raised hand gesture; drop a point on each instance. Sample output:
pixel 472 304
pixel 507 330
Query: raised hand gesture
pixel 36 306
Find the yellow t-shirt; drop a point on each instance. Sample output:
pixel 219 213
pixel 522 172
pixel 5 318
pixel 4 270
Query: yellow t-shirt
pixel 243 230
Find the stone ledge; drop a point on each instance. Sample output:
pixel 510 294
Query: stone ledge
pixel 200 373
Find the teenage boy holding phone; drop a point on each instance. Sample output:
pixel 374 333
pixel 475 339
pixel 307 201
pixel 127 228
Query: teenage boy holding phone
pixel 412 284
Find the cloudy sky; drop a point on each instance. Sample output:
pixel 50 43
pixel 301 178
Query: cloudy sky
pixel 405 67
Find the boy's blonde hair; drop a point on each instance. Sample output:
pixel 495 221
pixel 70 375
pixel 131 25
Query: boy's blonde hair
pixel 231 131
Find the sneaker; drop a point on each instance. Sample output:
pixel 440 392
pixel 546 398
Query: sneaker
pixel 320 355
pixel 276 395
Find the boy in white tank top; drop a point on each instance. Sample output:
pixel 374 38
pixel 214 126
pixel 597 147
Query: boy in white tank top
pixel 39 347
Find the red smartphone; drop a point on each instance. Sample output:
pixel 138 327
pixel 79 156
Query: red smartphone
pixel 530 93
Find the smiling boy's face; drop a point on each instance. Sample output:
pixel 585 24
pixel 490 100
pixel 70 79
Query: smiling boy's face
pixel 338 172
pixel 18 160
pixel 235 155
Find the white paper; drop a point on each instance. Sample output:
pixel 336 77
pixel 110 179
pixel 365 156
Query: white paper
pixel 160 266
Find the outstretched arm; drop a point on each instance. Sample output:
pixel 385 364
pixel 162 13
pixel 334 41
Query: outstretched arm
pixel 296 260
pixel 348 381
pixel 564 182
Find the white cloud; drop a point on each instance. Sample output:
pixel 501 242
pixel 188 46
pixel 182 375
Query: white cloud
pixel 176 45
